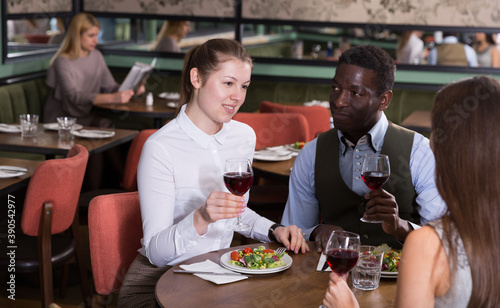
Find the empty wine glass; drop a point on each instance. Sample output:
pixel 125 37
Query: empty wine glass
pixel 342 252
pixel 375 171
pixel 238 177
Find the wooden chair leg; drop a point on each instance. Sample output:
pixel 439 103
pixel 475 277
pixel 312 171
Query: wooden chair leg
pixel 81 262
pixel 45 255
pixel 64 280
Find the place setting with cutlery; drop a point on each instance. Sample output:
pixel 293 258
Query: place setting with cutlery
pixel 12 171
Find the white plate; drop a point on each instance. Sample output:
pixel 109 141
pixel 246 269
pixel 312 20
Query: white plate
pixel 6 175
pixel 10 128
pixel 169 95
pixel 92 134
pixel 225 258
pixel 384 274
pixel 291 147
pixel 55 126
pixel 271 157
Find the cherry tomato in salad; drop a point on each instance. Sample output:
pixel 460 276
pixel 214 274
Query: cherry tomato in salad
pixel 268 251
pixel 235 256
pixel 248 250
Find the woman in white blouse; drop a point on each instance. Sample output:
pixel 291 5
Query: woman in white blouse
pixel 186 209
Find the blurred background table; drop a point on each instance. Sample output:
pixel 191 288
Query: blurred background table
pixel 299 286
pixel 8 185
pixel 419 121
pixel 47 142
pixel 137 107
pixel 274 170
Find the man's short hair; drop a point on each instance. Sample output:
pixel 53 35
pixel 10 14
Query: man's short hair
pixel 375 59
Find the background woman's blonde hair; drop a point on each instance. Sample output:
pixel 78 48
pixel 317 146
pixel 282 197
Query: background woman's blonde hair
pixel 168 28
pixel 71 46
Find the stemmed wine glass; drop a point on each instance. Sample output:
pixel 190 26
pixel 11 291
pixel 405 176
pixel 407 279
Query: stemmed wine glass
pixel 238 177
pixel 342 252
pixel 375 171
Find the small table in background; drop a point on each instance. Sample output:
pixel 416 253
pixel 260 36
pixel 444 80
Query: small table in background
pixel 278 171
pixel 47 142
pixel 419 121
pixel 8 185
pixel 138 108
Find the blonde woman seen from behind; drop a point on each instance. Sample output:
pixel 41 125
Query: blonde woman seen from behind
pixel 171 33
pixel 459 264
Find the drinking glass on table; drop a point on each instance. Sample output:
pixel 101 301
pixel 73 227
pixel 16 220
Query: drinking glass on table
pixel 366 273
pixel 65 126
pixel 29 124
pixel 342 252
pixel 375 171
pixel 238 177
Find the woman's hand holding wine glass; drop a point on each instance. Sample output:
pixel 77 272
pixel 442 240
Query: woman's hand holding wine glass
pixel 342 252
pixel 375 172
pixel 238 178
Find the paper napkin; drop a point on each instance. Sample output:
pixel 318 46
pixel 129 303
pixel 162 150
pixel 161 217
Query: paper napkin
pixel 321 263
pixel 209 266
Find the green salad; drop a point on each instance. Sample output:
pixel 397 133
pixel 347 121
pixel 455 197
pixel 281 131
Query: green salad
pixel 257 258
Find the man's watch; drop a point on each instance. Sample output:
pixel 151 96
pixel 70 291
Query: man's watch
pixel 270 235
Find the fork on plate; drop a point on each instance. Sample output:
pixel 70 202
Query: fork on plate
pixel 280 250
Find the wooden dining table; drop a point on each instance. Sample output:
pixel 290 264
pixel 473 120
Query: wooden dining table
pixel 47 142
pixel 301 285
pixel 8 185
pixel 159 111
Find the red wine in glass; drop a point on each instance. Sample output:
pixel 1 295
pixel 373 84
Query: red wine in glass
pixel 238 183
pixel 374 179
pixel 375 171
pixel 341 261
pixel 238 178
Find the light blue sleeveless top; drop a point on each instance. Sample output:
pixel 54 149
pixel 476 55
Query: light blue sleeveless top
pixel 461 282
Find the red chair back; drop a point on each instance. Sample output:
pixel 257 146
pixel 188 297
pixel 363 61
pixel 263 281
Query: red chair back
pixel 115 232
pixel 59 182
pixel 318 117
pixel 132 161
pixel 273 129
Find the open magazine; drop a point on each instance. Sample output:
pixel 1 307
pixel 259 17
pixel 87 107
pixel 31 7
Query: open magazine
pixel 137 75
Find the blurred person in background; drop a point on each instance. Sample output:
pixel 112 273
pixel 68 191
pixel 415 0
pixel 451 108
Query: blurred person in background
pixel 171 33
pixel 486 49
pixel 410 48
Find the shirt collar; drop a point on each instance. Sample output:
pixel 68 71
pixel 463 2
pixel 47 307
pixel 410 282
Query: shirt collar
pixel 374 137
pixel 199 136
pixel 450 40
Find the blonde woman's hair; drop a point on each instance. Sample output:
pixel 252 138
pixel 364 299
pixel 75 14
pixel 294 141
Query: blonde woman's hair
pixel 71 46
pixel 168 28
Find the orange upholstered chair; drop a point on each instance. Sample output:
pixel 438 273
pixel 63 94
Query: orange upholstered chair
pixel 129 179
pixel 318 117
pixel 115 230
pixel 273 129
pixel 132 161
pixel 49 210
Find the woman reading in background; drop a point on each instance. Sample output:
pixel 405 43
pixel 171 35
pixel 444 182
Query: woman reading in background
pixel 453 261
pixel 186 209
pixel 171 33
pixel 80 78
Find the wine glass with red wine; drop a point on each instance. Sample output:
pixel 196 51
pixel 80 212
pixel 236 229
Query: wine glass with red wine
pixel 342 252
pixel 375 171
pixel 238 177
